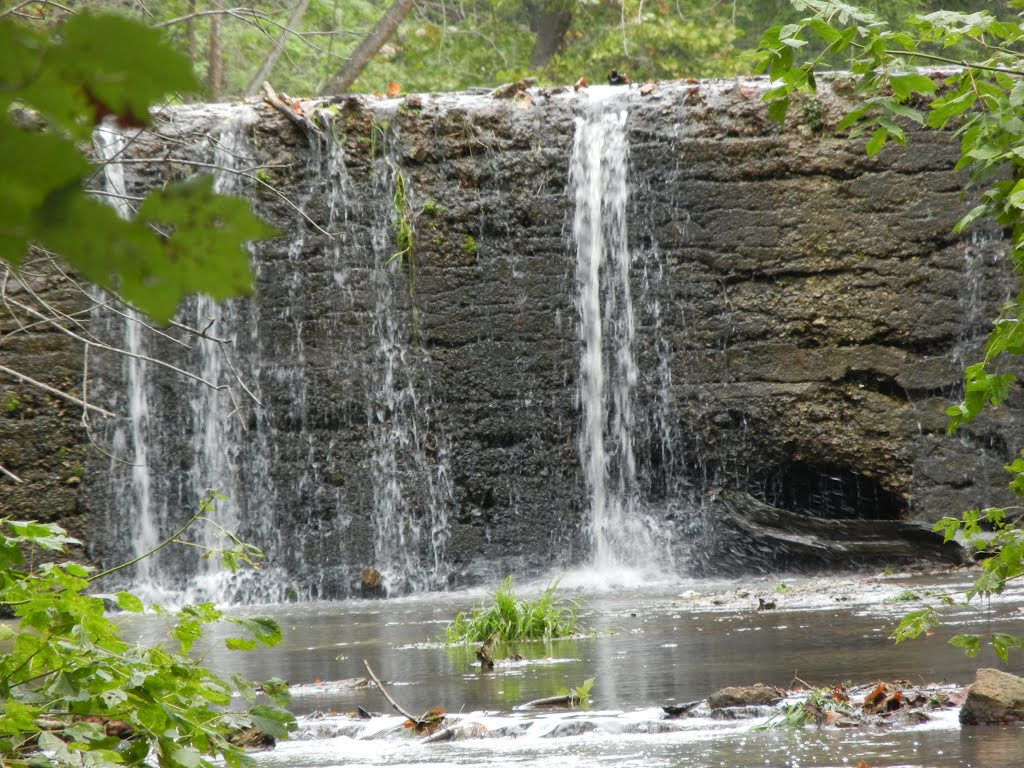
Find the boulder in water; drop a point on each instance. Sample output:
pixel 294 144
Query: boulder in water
pixel 370 583
pixel 994 698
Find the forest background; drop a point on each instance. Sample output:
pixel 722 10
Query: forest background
pixel 311 47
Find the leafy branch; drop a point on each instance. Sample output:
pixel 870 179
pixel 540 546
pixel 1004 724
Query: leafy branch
pixel 74 691
pixel 981 102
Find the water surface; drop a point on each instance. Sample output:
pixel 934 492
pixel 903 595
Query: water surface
pixel 650 647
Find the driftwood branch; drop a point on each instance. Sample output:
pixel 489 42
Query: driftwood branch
pixel 391 701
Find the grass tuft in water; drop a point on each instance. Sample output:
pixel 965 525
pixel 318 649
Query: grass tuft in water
pixel 509 618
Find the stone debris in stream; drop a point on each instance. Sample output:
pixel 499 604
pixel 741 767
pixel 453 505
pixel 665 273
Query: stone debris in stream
pixel 994 698
pixel 880 704
pixel 252 739
pixel 745 696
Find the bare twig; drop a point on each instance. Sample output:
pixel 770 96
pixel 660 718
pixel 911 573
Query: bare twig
pixel 253 18
pixel 274 99
pixel 8 473
pixel 250 176
pixel 383 690
pixel 27 3
pixel 117 350
pixel 275 51
pixel 238 378
pixel 104 193
pixel 54 391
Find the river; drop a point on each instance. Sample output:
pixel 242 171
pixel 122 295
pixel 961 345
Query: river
pixel 659 644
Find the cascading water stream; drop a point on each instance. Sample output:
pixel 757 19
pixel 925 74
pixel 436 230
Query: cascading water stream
pixel 411 489
pixel 131 439
pixel 619 529
pixel 214 415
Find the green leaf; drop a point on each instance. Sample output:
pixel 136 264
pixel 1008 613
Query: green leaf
pixel 46 535
pixel 273 720
pixel 915 623
pixel 122 78
pixel 824 30
pixel 126 601
pixel 186 757
pixel 265 629
pixel 971 644
pixel 971 215
pixel 1002 643
pixel 240 644
pixel 906 84
pixel 203 250
pixel 777 110
pixel 876 142
pixel 949 527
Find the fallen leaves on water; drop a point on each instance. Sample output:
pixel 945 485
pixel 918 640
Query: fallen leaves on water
pixel 429 722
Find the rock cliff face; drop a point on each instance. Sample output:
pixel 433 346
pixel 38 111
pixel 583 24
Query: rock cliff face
pixel 798 318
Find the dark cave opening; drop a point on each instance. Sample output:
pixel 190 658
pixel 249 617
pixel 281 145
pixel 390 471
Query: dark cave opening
pixel 831 491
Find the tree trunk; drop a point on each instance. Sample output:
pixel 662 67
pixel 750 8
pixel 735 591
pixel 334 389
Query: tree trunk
pixel 550 19
pixel 215 66
pixel 190 32
pixel 275 50
pixel 380 34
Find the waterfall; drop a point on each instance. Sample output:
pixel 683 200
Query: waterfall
pixel 410 477
pixel 608 375
pixel 173 422
pixel 216 413
pixel 129 443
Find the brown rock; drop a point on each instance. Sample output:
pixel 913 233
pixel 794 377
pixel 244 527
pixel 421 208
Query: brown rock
pixel 744 696
pixel 994 698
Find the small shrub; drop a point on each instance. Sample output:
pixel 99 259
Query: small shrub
pixel 510 618
pixel 582 693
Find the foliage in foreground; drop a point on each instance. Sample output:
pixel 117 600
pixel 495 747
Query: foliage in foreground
pixel 73 691
pixel 509 618
pixel 184 239
pixel 982 100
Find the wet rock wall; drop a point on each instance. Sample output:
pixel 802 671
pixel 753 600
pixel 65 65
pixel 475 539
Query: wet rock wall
pixel 802 314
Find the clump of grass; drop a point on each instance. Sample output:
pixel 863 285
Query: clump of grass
pixel 906 596
pixel 510 618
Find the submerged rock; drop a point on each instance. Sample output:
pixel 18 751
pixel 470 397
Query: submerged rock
pixel 994 698
pixel 745 696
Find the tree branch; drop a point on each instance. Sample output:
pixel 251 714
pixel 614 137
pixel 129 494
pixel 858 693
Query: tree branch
pixel 383 690
pixel 8 473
